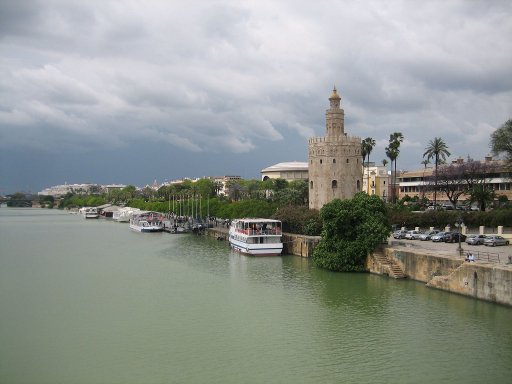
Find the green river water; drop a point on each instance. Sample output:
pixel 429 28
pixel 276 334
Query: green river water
pixel 89 301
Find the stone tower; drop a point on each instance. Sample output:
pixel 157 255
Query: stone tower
pixel 334 161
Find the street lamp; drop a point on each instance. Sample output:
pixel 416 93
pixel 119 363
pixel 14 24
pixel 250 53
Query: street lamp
pixel 459 223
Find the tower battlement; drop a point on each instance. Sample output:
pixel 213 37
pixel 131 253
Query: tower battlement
pixel 334 139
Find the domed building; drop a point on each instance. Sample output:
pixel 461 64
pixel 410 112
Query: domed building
pixel 290 171
pixel 335 164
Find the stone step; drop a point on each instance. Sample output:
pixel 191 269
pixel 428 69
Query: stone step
pixel 395 271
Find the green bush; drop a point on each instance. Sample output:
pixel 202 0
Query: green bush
pixel 352 229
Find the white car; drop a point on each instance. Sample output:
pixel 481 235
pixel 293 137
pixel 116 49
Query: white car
pixel 412 235
pixel 475 239
pixel 427 235
pixel 495 240
pixel 438 237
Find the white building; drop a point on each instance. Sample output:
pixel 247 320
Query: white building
pixel 290 171
pixel 61 190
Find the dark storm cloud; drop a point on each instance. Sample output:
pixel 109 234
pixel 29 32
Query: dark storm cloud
pixel 250 79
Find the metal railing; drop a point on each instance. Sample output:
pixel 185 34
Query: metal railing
pixel 491 257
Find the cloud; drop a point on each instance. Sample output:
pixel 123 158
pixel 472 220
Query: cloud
pixel 236 78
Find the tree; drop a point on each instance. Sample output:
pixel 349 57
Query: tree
pixel 384 163
pixel 351 230
pixel 501 141
pixel 235 190
pixel 280 184
pixel 205 187
pixel 363 150
pixel 462 178
pixel 392 152
pixel 368 145
pixel 436 149
pixel 482 194
pixel 18 196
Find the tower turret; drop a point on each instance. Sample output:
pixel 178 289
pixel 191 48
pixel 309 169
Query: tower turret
pixel 335 116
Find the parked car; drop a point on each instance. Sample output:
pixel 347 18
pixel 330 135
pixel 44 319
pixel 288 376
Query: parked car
pixel 438 237
pixel 475 239
pixel 412 235
pixel 400 234
pixel 495 240
pixel 427 235
pixel 454 237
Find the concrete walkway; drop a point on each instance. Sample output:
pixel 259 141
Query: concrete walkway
pixel 498 255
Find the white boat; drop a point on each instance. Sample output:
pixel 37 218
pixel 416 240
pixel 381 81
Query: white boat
pixel 257 237
pixel 147 222
pixel 89 212
pixel 123 215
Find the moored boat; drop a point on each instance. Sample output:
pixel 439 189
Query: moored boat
pixel 89 212
pixel 124 214
pixel 257 237
pixel 147 222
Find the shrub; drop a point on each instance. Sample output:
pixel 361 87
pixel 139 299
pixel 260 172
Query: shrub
pixel 352 229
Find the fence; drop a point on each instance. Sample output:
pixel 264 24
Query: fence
pixel 491 257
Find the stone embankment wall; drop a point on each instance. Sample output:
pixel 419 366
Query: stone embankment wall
pixel 299 245
pixel 481 280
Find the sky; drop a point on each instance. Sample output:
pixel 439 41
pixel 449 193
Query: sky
pixel 129 92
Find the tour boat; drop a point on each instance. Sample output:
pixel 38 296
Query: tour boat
pixel 89 212
pixel 147 222
pixel 124 215
pixel 256 237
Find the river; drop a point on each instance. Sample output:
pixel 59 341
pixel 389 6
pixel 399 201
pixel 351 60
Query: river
pixel 89 301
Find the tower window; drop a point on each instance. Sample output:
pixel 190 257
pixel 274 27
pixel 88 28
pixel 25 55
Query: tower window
pixel 347 161
pixel 334 184
pixel 358 185
pixel 320 161
pixel 334 161
pixel 311 185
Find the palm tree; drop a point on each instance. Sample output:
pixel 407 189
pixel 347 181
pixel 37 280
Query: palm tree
pixel 368 145
pixel 364 150
pixel 437 149
pixel 384 163
pixel 481 194
pixel 392 152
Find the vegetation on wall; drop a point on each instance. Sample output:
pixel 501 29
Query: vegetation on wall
pixel 352 229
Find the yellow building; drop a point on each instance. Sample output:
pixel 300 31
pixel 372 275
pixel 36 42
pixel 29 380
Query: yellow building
pixel 378 181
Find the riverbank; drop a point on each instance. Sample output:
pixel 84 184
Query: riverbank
pixel 484 280
pixel 439 266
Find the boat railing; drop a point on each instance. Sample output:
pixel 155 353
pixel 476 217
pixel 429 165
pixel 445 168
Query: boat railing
pixel 259 232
